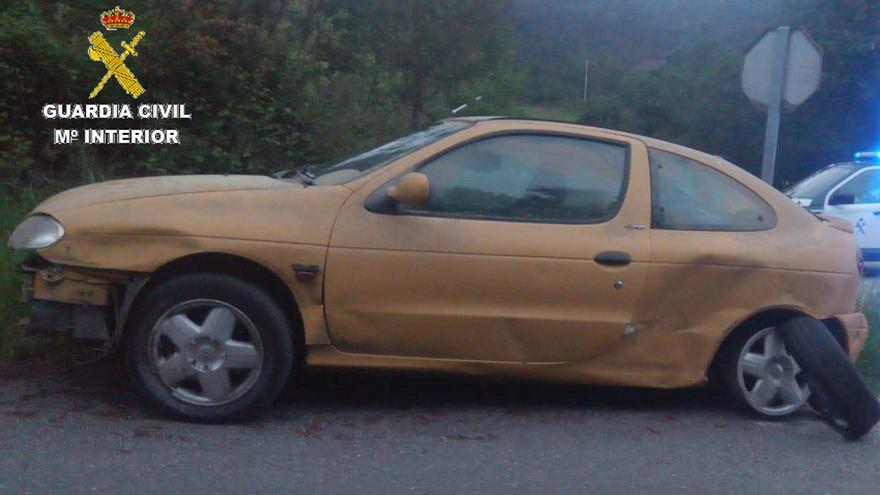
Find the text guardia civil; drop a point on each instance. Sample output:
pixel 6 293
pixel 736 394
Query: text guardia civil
pixel 52 111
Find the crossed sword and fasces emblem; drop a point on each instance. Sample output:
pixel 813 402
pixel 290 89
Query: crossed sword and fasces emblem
pixel 115 63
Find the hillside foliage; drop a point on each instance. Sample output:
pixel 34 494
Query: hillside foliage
pixel 275 83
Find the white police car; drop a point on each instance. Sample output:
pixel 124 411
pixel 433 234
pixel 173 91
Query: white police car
pixel 849 190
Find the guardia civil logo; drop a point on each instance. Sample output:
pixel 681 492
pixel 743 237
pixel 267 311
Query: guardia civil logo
pixel 101 51
pixel 115 68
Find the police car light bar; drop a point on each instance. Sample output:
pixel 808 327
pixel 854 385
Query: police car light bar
pixel 868 156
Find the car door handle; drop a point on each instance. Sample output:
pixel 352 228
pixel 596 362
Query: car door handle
pixel 877 212
pixel 612 258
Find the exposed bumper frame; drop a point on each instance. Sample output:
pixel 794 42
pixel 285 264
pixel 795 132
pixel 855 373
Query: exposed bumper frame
pixel 79 320
pixel 80 302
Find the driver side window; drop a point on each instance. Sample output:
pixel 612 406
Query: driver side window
pixel 535 178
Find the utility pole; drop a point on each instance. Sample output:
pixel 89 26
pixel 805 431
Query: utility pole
pixel 586 78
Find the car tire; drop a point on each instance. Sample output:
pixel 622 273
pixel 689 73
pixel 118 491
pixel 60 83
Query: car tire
pixel 843 392
pixel 778 368
pixel 209 348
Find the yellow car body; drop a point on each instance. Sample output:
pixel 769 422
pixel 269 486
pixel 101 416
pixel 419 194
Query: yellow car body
pixel 466 295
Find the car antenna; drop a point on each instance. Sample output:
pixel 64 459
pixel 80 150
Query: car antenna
pixel 464 105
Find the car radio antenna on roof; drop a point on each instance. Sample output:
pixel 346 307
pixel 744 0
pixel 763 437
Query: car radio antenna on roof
pixel 464 105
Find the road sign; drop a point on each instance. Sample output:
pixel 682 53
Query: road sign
pixel 803 69
pixel 782 69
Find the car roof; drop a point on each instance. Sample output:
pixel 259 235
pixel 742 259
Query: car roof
pixel 649 141
pixel 860 164
pixel 856 165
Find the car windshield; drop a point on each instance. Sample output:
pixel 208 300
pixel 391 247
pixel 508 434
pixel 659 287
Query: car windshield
pixel 358 165
pixel 815 187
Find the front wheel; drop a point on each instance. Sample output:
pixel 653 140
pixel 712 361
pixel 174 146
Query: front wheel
pixel 209 347
pixel 762 374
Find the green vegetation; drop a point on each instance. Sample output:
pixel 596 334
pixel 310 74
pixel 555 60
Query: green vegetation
pixel 671 69
pixel 274 83
pixel 13 342
pixel 269 84
pixel 869 360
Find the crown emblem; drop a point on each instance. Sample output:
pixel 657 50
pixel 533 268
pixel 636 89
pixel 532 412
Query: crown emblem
pixel 117 19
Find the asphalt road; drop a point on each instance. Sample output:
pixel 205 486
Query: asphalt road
pixel 82 430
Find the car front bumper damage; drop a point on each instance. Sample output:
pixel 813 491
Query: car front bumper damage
pixel 68 300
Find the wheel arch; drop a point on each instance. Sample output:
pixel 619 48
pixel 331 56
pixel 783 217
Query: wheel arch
pixel 237 266
pixel 774 316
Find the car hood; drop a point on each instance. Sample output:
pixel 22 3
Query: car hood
pixel 139 224
pixel 149 187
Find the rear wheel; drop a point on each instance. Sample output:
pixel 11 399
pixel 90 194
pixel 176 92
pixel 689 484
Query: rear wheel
pixel 209 347
pixel 844 396
pixel 762 374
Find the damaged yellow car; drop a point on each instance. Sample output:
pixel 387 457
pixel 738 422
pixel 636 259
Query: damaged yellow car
pixel 489 246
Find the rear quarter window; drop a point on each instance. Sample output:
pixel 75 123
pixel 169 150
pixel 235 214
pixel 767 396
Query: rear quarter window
pixel 688 195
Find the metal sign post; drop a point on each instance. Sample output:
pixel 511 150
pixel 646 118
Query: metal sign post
pixel 781 70
pixel 774 104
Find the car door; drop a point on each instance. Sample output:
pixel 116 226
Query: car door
pixel 857 199
pixel 530 249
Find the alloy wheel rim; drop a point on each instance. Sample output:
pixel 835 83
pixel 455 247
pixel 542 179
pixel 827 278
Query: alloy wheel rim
pixel 206 352
pixel 769 377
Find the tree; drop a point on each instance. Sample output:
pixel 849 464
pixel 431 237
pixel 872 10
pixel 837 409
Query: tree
pixel 270 83
pixel 444 51
pixel 842 117
pixel 693 99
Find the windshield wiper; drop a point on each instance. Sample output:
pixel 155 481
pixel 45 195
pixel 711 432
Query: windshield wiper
pixel 306 177
pixel 301 172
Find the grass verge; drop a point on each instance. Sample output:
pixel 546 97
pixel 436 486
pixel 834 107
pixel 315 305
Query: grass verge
pixel 15 202
pixel 869 360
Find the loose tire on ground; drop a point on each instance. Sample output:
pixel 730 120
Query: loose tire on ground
pixel 257 348
pixel 847 396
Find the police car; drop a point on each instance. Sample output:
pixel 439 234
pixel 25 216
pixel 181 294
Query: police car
pixel 849 190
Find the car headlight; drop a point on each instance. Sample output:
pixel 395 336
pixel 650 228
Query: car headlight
pixel 37 231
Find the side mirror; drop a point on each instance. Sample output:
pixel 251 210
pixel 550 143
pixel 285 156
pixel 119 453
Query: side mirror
pixel 842 199
pixel 414 189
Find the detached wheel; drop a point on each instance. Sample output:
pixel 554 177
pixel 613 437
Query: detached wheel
pixel 842 392
pixel 761 373
pixel 209 347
